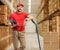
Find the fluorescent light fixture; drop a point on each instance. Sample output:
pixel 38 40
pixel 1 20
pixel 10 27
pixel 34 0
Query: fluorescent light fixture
pixel 29 3
pixel 29 0
pixel 29 6
pixel 29 9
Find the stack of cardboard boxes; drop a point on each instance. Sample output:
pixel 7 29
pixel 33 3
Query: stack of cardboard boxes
pixel 51 41
pixel 49 27
pixel 5 31
pixel 5 37
pixel 3 14
pixel 53 6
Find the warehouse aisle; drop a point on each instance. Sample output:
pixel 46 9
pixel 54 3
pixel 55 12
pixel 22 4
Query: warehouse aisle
pixel 48 20
pixel 31 42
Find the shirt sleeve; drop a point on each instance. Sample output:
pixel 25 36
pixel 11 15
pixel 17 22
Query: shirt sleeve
pixel 26 15
pixel 11 17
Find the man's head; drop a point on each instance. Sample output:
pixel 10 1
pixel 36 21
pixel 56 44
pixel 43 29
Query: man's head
pixel 20 7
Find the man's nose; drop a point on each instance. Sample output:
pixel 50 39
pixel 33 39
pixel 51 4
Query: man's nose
pixel 20 8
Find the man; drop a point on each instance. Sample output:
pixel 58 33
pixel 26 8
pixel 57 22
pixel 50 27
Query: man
pixel 18 31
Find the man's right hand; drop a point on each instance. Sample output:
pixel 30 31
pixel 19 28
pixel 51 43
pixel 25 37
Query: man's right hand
pixel 9 24
pixel 14 25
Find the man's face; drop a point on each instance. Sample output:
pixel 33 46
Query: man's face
pixel 20 9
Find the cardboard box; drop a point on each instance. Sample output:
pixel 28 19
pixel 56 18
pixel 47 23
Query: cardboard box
pixel 59 42
pixel 54 4
pixel 3 9
pixel 45 26
pixel 5 31
pixel 5 37
pixel 10 40
pixel 51 46
pixel 0 33
pixel 46 36
pixel 54 37
pixel 3 44
pixel 41 16
pixel 3 19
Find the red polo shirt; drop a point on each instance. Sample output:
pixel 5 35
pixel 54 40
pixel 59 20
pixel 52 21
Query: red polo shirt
pixel 19 18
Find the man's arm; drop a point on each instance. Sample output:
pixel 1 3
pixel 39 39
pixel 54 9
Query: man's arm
pixel 29 17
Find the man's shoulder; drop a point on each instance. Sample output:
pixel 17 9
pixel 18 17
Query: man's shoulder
pixel 13 13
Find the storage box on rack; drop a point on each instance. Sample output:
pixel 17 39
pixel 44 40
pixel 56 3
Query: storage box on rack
pixel 46 10
pixel 50 36
pixel 59 31
pixel 53 6
pixel 40 28
pixel 54 36
pixel 3 19
pixel 42 3
pixel 5 31
pixel 3 9
pixel 5 37
pixel 51 46
pixel 10 39
pixel 45 26
pixel 46 36
pixel 59 42
pixel 54 24
pixel 4 44
pixel 41 16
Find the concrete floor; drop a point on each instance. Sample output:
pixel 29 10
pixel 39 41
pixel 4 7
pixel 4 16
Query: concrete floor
pixel 31 42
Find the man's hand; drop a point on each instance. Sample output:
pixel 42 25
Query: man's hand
pixel 9 24
pixel 14 25
pixel 27 19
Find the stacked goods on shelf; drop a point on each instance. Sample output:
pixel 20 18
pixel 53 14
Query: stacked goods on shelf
pixel 39 19
pixel 40 30
pixel 45 26
pixel 42 4
pixel 3 14
pixel 45 23
pixel 41 16
pixel 51 37
pixel 3 19
pixel 49 29
pixel 46 10
pixel 54 24
pixel 59 26
pixel 57 23
pixel 3 9
pixel 54 5
pixel 51 41
pixel 5 37
pixel 5 31
pixel 8 13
